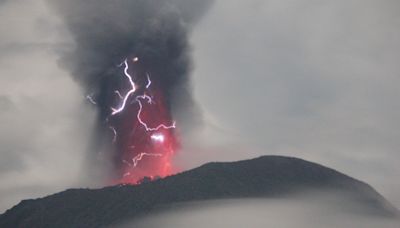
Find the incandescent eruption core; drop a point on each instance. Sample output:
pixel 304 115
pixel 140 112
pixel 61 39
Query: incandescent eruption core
pixel 143 132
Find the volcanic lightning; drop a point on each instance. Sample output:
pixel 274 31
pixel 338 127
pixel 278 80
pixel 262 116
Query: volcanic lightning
pixel 90 98
pixel 148 81
pixel 114 132
pixel 142 95
pixel 135 100
pixel 173 125
pixel 130 92
pixel 140 156
pixel 119 94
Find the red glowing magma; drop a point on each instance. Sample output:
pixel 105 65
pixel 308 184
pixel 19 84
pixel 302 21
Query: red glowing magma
pixel 146 137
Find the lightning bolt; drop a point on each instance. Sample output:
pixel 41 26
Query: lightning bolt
pixel 143 123
pixel 139 157
pixel 139 99
pixel 148 81
pixel 130 92
pixel 119 94
pixel 114 132
pixel 90 98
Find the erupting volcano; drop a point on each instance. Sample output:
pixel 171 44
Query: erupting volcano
pixel 132 58
pixel 143 129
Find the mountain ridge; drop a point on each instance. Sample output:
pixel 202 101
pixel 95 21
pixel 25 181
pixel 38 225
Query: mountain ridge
pixel 265 176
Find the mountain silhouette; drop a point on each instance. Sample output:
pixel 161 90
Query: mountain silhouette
pixel 267 177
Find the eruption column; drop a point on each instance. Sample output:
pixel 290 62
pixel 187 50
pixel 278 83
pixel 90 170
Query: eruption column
pixel 158 81
pixel 159 135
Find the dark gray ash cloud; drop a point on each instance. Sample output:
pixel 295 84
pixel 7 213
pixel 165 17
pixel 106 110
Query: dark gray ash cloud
pixel 107 32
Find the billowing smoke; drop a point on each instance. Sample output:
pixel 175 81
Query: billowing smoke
pixel 133 59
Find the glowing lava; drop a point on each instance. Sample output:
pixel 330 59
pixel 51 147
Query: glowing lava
pixel 158 138
pixel 143 131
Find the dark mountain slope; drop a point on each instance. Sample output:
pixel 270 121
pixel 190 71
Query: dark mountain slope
pixel 268 176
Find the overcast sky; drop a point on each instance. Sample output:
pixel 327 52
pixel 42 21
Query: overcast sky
pixel 44 120
pixel 312 79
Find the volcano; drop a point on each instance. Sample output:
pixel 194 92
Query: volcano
pixel 263 177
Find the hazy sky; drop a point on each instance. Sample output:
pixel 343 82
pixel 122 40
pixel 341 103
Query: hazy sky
pixel 44 121
pixel 312 79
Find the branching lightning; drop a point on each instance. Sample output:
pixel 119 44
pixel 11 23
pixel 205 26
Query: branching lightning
pixel 130 92
pixel 145 97
pixel 137 159
pixel 145 124
pixel 140 156
pixel 139 99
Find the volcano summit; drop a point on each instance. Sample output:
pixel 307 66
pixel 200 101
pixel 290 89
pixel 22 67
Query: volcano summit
pixel 263 177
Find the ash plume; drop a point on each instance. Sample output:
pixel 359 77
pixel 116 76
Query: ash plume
pixel 108 32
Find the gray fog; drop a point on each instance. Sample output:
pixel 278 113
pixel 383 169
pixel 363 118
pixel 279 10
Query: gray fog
pixel 302 212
